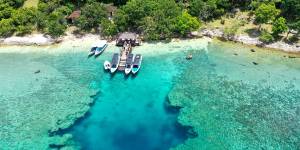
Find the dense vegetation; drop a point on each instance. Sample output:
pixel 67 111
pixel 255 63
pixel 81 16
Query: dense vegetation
pixel 154 19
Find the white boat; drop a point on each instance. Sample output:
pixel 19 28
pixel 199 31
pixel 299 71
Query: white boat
pixel 92 51
pixel 129 62
pixel 107 65
pixel 115 63
pixel 100 47
pixel 137 63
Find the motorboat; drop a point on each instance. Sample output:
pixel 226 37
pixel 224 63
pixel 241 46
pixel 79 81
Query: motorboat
pixel 100 47
pixel 92 51
pixel 115 63
pixel 129 62
pixel 136 63
pixel 107 65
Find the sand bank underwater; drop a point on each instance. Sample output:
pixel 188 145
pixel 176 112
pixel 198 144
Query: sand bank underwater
pixel 238 100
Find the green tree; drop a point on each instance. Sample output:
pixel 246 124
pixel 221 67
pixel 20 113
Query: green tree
pixel 13 3
pixel 136 14
pixel 279 26
pixel 266 37
pixel 108 28
pixel 120 19
pixel 5 11
pixel 55 29
pixel 24 20
pixel 56 24
pixel 91 16
pixel 265 13
pixel 208 9
pixel 6 27
pixel 186 23
pixel 291 11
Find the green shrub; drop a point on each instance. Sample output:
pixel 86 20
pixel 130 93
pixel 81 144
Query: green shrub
pixel 279 26
pixel 55 29
pixel 186 23
pixel 6 27
pixel 91 16
pixel 266 37
pixel 24 19
pixel 222 21
pixel 108 28
pixel 22 30
pixel 230 32
pixel 13 3
pixel 5 11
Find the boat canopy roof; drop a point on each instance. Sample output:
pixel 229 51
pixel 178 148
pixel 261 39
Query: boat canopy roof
pixel 137 59
pixel 129 59
pixel 115 59
pixel 100 43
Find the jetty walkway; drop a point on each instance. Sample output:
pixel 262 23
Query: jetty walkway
pixel 126 49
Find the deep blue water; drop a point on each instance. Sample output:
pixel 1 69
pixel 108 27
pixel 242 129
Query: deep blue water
pixel 131 113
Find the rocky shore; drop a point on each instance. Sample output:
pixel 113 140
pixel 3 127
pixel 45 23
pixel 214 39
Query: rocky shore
pixel 245 39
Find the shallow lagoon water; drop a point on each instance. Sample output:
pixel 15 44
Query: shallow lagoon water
pixel 231 102
pixel 130 113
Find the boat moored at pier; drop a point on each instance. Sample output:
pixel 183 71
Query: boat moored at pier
pixel 115 62
pixel 137 63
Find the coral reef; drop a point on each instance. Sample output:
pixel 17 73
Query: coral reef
pixel 233 114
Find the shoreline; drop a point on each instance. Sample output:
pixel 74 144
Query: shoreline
pixel 251 41
pixel 40 40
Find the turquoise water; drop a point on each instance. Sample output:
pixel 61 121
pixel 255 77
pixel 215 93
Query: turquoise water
pixel 233 103
pixel 130 113
pixel 230 102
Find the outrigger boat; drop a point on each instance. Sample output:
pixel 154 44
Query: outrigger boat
pixel 100 47
pixel 129 62
pixel 137 63
pixel 92 51
pixel 107 65
pixel 115 62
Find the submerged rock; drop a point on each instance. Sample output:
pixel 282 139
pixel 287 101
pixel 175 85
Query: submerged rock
pixel 38 71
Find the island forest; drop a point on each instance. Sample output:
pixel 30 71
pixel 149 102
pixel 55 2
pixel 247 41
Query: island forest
pixel 154 19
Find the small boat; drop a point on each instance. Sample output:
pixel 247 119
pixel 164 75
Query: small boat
pixel 129 62
pixel 100 47
pixel 115 63
pixel 137 63
pixel 189 57
pixel 92 51
pixel 107 65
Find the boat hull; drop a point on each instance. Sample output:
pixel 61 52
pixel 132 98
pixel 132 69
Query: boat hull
pixel 91 53
pixel 100 50
pixel 107 65
pixel 135 70
pixel 113 70
pixel 127 71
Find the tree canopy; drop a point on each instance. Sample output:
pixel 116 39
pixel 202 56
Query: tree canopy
pixel 91 16
pixel 279 26
pixel 154 19
pixel 265 13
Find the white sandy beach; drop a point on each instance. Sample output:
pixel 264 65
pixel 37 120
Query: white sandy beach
pixel 86 40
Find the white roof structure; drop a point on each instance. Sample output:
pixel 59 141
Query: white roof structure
pixel 100 43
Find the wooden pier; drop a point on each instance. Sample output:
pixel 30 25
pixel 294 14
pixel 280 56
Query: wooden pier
pixel 126 49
